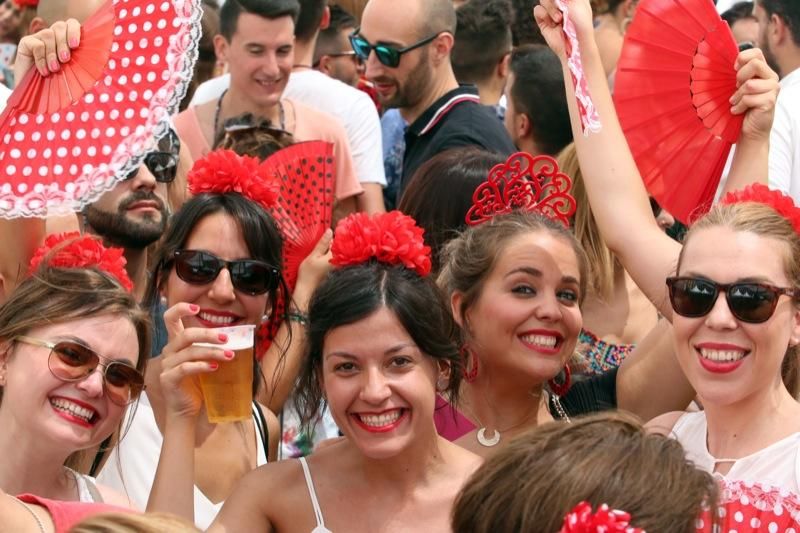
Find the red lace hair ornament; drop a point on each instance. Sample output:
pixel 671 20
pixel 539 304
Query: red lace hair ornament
pixel 73 250
pixel 582 520
pixel 524 182
pixel 762 194
pixel 225 171
pixel 391 238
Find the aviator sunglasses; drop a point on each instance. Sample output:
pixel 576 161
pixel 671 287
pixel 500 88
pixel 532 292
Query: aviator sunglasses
pixel 748 301
pixel 247 275
pixel 388 55
pixel 162 165
pixel 72 361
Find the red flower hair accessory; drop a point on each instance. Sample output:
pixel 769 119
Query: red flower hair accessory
pixel 762 194
pixel 224 171
pixel 27 3
pixel 524 182
pixel 605 520
pixel 73 250
pixel 392 238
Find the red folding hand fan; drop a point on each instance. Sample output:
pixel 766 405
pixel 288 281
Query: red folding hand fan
pixel 67 137
pixel 746 507
pixel 673 83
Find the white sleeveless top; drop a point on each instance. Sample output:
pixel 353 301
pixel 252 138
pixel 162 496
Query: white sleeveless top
pixel 314 502
pixel 87 488
pixel 131 466
pixel 778 464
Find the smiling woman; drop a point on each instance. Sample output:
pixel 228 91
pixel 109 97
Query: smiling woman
pixel 379 349
pixel 73 349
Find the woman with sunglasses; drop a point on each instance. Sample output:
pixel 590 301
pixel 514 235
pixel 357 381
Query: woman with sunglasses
pixel 732 288
pixel 73 350
pixel 218 265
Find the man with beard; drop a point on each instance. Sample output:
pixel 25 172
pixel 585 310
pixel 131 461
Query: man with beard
pixel 406 47
pixel 779 39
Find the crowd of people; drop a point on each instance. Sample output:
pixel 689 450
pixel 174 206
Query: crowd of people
pixel 489 324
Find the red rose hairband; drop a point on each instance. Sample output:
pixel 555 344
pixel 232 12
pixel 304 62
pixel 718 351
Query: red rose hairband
pixel 224 171
pixel 73 250
pixel 762 194
pixel 26 3
pixel 524 182
pixel 582 520
pixel 391 238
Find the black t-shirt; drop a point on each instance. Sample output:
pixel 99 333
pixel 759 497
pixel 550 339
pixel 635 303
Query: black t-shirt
pixel 454 120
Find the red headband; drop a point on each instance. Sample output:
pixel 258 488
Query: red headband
pixel 605 520
pixel 73 250
pixel 224 171
pixel 762 194
pixel 392 238
pixel 527 183
pixel 26 3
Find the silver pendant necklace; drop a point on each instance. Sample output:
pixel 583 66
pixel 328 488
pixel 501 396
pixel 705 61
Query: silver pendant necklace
pixel 488 443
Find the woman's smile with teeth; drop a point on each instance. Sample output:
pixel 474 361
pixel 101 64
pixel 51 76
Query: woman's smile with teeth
pixel 216 319
pixel 547 341
pixel 72 408
pixel 722 355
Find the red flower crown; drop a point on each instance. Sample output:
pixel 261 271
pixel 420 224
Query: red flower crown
pixel 224 171
pixel 524 182
pixel 605 520
pixel 73 250
pixel 762 194
pixel 392 238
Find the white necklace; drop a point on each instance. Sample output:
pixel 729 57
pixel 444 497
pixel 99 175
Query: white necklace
pixel 31 511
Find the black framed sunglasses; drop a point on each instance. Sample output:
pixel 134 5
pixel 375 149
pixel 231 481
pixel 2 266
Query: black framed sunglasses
pixel 388 55
pixel 748 301
pixel 162 165
pixel 247 275
pixel 72 361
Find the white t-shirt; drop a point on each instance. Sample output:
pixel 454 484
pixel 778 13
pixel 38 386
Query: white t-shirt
pixel 784 140
pixel 352 107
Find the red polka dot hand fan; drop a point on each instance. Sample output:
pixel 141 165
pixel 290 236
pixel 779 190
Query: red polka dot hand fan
pixel 746 507
pixel 674 78
pixel 305 205
pixel 70 136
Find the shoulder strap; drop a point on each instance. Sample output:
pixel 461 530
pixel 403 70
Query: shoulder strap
pixel 261 424
pixel 314 502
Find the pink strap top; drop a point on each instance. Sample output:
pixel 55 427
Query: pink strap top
pixel 66 514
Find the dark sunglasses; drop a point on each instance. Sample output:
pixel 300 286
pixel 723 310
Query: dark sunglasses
pixel 247 275
pixel 351 54
pixel 162 165
pixel 71 361
pixel 388 55
pixel 749 302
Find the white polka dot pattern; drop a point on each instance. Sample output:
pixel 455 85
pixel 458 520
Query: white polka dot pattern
pixel 747 506
pixel 58 152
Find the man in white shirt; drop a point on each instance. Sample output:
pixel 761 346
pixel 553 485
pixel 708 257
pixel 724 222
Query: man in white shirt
pixel 779 38
pixel 353 108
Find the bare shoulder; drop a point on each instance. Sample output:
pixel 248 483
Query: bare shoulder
pixel 113 497
pixel 663 424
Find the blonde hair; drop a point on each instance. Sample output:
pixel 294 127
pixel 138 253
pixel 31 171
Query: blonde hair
pixel 604 263
pixel 606 458
pixel 133 523
pixel 761 219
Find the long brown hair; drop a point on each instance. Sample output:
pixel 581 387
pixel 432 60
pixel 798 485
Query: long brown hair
pixel 541 475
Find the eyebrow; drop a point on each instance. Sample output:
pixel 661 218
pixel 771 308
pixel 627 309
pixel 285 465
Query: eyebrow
pixel 535 272
pixel 391 351
pixel 86 345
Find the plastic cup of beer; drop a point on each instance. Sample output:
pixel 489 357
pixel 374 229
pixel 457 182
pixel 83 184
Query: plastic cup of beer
pixel 228 391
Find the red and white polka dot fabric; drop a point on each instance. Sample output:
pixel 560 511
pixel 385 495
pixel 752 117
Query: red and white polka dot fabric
pixel 64 141
pixel 746 507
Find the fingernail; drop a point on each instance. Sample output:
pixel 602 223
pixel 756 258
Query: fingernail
pixel 64 55
pixel 194 308
pixel 213 366
pixel 223 337
pixel 43 71
pixel 73 42
pixel 229 354
pixel 54 65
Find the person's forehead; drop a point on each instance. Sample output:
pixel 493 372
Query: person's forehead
pixel 390 21
pixel 254 28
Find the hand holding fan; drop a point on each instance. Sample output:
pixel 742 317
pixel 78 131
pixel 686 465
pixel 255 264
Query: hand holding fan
pixel 674 79
pixel 66 137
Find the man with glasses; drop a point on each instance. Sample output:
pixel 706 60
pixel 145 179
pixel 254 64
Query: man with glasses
pixel 406 47
pixel 333 54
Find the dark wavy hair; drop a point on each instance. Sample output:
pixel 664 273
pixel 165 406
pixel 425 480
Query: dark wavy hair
pixel 351 294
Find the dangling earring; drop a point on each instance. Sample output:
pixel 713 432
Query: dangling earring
pixel 561 389
pixel 470 372
pixel 442 383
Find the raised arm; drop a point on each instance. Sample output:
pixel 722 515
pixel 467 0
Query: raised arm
pixel 281 363
pixel 616 193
